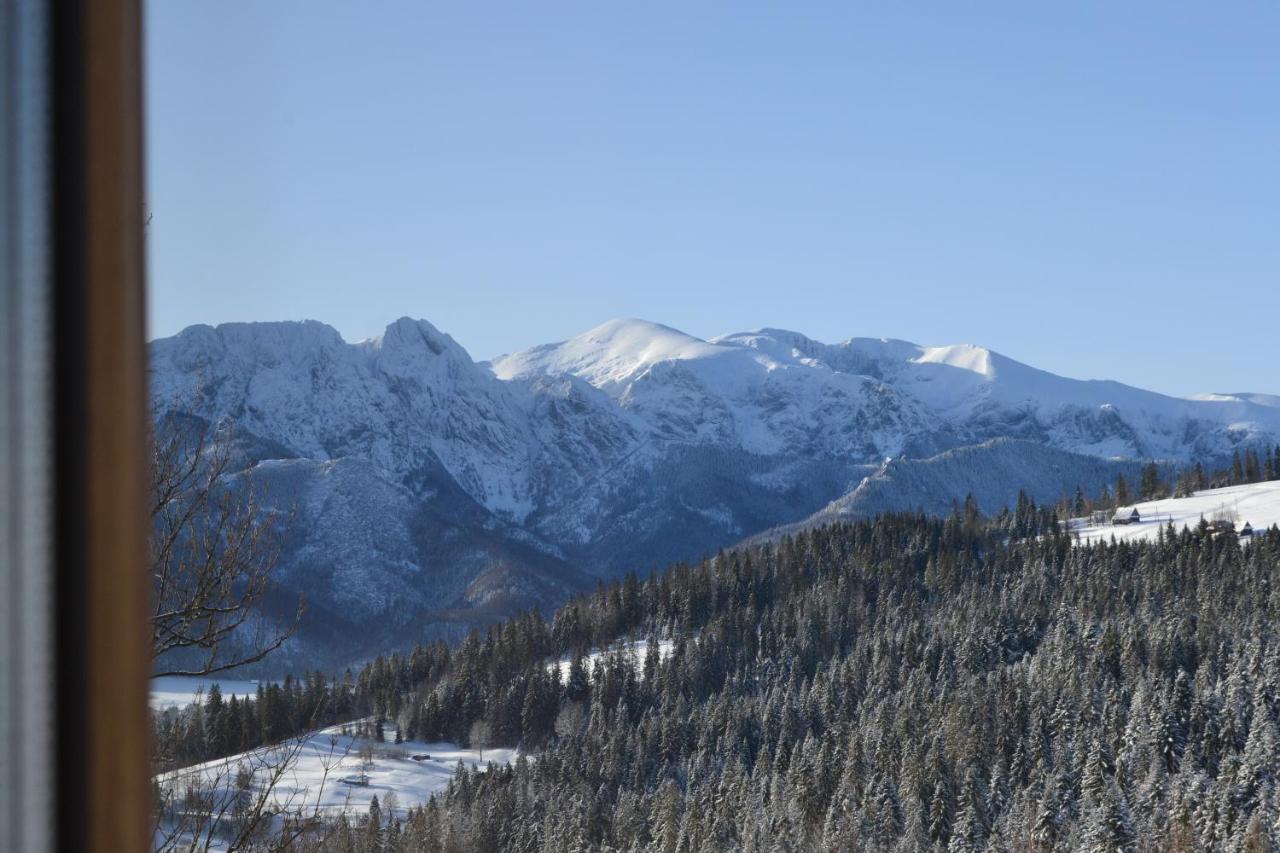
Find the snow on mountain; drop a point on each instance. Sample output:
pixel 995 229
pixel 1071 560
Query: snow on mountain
pixel 993 472
pixel 757 398
pixel 1271 401
pixel 609 355
pixel 402 400
pixel 626 447
pixel 986 395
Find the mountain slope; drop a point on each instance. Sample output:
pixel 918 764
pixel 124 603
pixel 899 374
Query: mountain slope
pixel 435 490
pixel 993 472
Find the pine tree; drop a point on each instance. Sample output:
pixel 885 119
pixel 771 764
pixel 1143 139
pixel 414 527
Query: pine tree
pixel 1110 826
pixel 1252 467
pixel 578 686
pixel 1123 497
pixel 1151 487
pixel 882 816
pixel 972 821
pixel 373 833
pixel 667 814
pixel 941 812
pixel 1048 817
pixel 216 724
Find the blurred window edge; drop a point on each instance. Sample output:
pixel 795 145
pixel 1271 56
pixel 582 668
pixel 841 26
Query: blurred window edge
pixel 73 603
pixel 26 427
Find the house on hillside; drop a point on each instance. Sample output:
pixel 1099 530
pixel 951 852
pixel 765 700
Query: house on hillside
pixel 1126 515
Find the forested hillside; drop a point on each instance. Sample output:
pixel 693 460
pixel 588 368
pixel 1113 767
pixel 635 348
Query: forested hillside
pixel 899 684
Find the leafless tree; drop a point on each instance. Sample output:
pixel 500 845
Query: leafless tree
pixel 481 736
pixel 213 552
pixel 214 548
pixel 236 803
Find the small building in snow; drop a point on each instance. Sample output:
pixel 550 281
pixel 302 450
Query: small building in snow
pixel 1126 515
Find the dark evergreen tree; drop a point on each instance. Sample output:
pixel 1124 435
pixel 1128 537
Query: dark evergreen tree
pixel 1123 496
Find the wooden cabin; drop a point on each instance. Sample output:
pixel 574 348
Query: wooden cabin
pixel 1126 517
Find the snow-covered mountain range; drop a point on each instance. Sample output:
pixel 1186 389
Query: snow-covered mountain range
pixel 431 490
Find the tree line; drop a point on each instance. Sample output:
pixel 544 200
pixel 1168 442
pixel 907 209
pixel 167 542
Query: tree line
pixel 903 683
pixel 1253 465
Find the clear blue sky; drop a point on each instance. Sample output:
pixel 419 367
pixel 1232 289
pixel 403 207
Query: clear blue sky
pixel 1093 188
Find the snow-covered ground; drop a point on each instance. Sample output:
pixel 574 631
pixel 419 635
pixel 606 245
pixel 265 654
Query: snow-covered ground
pixel 320 767
pixel 332 771
pixel 1256 503
pixel 635 649
pixel 320 760
pixel 175 691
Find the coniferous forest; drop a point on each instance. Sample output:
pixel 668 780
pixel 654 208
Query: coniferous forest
pixel 905 683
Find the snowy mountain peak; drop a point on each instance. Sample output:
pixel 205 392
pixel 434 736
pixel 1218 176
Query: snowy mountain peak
pixel 974 359
pixel 608 355
pixel 277 341
pixel 407 333
pixel 779 344
pixel 415 348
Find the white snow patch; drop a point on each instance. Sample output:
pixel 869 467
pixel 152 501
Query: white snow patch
pixel 968 357
pixel 1255 503
pixel 320 761
pixel 634 649
pixel 177 691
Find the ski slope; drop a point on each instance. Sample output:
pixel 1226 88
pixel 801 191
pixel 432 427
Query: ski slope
pixel 1255 503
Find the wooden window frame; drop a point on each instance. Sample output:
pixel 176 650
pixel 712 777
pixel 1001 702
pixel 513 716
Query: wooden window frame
pixel 75 494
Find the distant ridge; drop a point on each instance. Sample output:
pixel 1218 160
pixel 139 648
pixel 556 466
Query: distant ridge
pixel 437 492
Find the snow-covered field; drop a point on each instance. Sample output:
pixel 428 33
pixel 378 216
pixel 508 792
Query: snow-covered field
pixel 333 770
pixel 174 691
pixel 320 760
pixel 1256 503
pixel 321 771
pixel 634 649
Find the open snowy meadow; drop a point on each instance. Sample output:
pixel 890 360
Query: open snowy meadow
pixel 328 772
pixel 1257 504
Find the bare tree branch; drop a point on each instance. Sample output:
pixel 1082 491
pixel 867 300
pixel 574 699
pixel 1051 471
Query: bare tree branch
pixel 214 548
